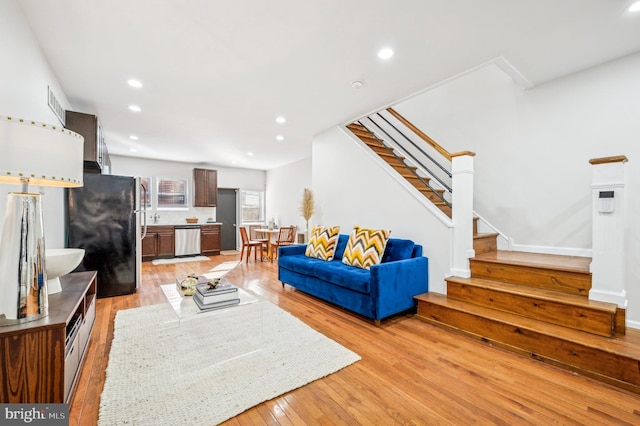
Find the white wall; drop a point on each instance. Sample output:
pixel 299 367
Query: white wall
pixel 228 177
pixel 351 189
pixel 532 176
pixel 285 186
pixel 25 76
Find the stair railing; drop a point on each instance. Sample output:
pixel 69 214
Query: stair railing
pixel 375 129
pixel 453 173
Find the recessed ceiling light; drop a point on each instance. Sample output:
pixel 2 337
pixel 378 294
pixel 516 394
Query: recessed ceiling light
pixel 634 7
pixel 249 154
pixel 133 137
pixel 281 120
pixel 234 162
pixel 357 84
pixel 133 150
pixel 134 83
pixel 279 138
pixel 135 108
pixel 385 53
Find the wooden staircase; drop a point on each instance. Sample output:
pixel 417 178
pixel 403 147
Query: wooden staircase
pixel 533 304
pixel 408 172
pixel 537 305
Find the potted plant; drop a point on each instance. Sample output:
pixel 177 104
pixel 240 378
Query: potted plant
pixel 307 208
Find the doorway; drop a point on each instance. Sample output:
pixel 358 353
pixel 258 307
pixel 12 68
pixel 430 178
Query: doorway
pixel 226 213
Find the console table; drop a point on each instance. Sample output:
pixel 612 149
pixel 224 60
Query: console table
pixel 40 360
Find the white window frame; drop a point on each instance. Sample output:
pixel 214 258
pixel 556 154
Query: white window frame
pixel 262 213
pixel 150 192
pixel 185 183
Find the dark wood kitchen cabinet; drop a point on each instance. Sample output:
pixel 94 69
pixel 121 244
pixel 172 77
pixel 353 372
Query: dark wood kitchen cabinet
pixel 95 148
pixel 210 240
pixel 205 187
pixel 159 242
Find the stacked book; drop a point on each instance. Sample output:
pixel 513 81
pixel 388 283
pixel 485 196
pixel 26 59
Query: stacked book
pixel 208 297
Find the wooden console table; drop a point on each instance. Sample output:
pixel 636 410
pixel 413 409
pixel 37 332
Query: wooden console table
pixel 40 360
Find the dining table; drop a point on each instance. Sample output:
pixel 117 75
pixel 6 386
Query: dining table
pixel 269 237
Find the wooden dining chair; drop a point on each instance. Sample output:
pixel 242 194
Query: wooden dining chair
pixel 254 236
pixel 249 244
pixel 286 237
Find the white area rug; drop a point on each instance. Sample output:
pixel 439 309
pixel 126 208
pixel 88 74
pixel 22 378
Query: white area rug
pixel 211 367
pixel 178 260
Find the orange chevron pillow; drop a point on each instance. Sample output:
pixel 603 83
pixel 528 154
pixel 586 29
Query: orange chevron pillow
pixel 322 243
pixel 365 247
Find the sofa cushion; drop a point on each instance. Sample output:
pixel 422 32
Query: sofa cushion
pixel 333 272
pixel 298 263
pixel 342 244
pixel 322 244
pixel 342 275
pixel 398 249
pixel 365 247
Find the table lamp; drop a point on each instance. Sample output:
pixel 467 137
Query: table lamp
pixel 37 154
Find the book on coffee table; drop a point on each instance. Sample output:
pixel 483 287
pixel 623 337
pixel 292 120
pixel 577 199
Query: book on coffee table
pixel 215 305
pixel 223 287
pixel 207 298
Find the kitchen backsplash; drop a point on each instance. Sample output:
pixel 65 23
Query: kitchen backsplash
pixel 178 217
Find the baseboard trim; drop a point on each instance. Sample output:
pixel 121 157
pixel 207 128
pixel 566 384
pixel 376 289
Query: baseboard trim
pixel 462 273
pixel 618 297
pixel 633 324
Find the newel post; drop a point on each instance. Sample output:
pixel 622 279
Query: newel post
pixel 608 235
pixel 462 212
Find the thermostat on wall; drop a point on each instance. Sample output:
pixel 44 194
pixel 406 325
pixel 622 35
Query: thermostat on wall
pixel 606 201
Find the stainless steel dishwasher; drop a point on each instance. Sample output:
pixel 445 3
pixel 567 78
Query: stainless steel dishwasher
pixel 187 240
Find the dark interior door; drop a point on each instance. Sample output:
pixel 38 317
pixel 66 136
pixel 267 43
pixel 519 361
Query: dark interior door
pixel 226 213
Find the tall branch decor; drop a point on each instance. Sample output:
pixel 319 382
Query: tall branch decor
pixel 307 207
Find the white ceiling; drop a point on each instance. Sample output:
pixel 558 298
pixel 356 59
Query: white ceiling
pixel 217 73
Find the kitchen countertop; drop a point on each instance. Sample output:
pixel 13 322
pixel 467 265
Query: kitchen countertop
pixel 184 223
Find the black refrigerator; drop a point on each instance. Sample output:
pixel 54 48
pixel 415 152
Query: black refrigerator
pixel 102 218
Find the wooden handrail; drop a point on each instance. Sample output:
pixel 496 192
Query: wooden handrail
pixel 605 160
pixel 419 132
pixel 461 153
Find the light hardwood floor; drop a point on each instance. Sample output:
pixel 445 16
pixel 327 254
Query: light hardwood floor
pixel 411 372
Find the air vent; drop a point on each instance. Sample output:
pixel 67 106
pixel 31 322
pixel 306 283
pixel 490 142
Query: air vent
pixel 55 106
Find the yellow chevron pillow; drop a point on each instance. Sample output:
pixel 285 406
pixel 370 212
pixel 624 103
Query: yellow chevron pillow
pixel 322 243
pixel 365 247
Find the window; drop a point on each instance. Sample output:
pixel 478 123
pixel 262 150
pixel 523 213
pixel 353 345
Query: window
pixel 172 194
pixel 252 206
pixel 146 194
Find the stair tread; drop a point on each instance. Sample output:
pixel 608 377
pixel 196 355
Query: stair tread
pixel 539 293
pixel 485 235
pixel 549 261
pixel 627 345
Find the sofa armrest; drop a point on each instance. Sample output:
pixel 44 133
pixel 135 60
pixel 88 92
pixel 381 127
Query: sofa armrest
pixel 394 284
pixel 292 250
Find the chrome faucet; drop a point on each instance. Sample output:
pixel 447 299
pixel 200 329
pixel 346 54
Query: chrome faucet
pixel 156 218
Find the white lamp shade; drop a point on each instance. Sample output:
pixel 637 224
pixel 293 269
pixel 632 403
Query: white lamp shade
pixel 46 155
pixel 31 153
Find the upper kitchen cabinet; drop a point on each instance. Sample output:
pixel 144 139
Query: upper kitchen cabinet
pixel 95 149
pixel 206 187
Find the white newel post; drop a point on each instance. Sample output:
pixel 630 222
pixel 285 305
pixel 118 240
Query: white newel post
pixel 462 213
pixel 608 245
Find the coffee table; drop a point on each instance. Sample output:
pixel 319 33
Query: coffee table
pixel 250 308
pixel 185 307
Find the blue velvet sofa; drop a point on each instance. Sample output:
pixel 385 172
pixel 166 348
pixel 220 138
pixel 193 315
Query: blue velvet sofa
pixel 386 289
